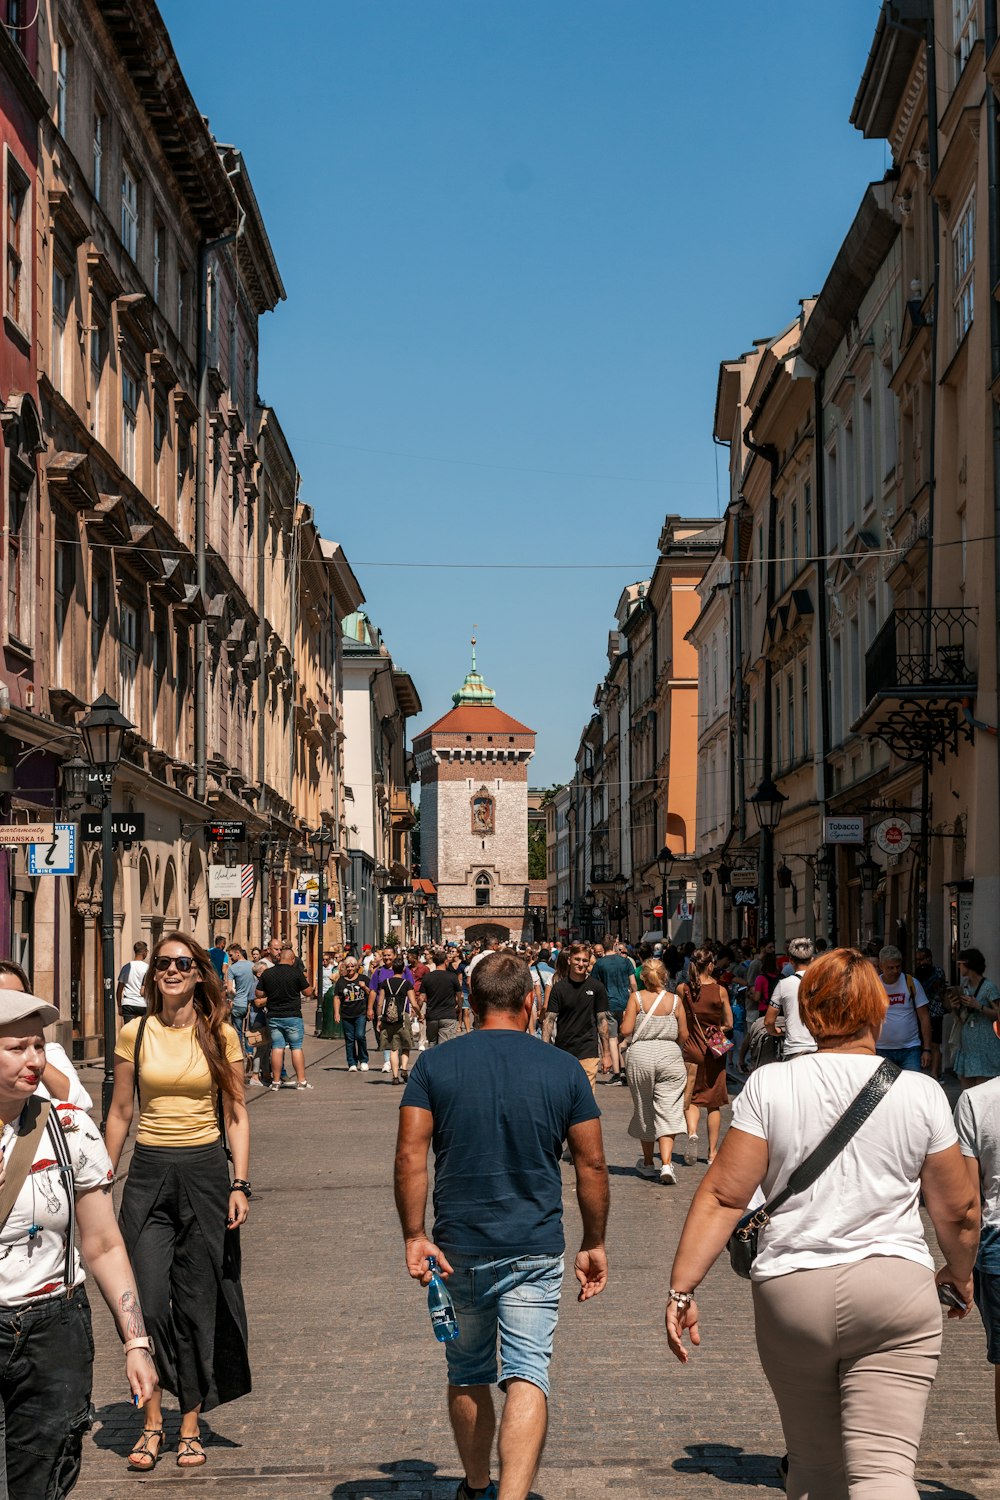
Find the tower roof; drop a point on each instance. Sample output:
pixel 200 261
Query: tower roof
pixel 473 689
pixel 468 718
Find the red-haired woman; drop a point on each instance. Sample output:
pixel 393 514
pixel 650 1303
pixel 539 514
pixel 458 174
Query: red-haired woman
pixel 185 1063
pixel 846 1308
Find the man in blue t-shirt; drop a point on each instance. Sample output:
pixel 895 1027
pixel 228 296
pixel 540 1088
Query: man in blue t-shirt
pixel 497 1108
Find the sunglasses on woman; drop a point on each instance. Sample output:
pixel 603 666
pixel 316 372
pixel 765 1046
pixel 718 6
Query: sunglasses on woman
pixel 183 965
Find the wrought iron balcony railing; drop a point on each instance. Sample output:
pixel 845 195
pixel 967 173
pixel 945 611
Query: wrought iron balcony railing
pixel 917 654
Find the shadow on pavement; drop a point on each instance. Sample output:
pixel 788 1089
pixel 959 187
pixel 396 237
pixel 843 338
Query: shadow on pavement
pixel 118 1424
pixel 735 1466
pixel 409 1478
pixel 730 1464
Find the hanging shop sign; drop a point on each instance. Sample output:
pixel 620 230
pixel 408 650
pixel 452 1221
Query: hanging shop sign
pixel 225 833
pixel 743 880
pixel 843 830
pixel 894 836
pixel 126 828
pixel 745 896
pixel 58 856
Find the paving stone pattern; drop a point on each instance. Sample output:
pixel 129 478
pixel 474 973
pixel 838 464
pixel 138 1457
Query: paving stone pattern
pixel 348 1399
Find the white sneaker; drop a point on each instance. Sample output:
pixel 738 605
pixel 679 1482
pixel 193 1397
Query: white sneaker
pixel 301 1086
pixel 667 1173
pixel 352 1069
pixel 386 1067
pixel 364 1068
pixel 253 1080
pixel 646 1169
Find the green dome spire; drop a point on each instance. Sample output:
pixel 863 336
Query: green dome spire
pixel 473 689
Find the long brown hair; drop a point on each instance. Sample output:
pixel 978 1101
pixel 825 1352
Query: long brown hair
pixel 701 960
pixel 209 1007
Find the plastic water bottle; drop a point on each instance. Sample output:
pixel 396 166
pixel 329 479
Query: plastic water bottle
pixel 441 1307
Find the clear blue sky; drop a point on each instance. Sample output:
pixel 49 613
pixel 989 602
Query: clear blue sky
pixel 518 237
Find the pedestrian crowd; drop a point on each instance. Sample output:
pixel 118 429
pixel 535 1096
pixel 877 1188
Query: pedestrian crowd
pixel 815 1189
pixel 840 1130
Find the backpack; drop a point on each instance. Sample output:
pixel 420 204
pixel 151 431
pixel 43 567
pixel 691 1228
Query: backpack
pixel 763 1048
pixel 395 1008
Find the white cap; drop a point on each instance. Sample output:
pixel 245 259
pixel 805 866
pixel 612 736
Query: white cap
pixel 16 1005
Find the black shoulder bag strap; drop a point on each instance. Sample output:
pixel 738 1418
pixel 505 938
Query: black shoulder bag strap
pixel 136 1053
pixel 62 1156
pixel 743 1244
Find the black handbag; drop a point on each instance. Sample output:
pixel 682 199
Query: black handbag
pixel 743 1240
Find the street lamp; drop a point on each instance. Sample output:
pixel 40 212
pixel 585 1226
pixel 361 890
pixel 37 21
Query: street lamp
pixel 767 803
pixel 619 882
pixel 869 870
pixel 322 846
pixel 103 731
pixel 664 863
pixel 567 909
pixel 73 777
pixel 588 908
pixel 420 905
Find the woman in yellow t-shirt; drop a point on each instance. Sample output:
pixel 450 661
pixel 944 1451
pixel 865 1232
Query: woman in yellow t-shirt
pixel 185 1064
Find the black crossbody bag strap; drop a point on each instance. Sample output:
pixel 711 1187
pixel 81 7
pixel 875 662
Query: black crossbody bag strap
pixel 62 1156
pixel 835 1140
pixel 136 1053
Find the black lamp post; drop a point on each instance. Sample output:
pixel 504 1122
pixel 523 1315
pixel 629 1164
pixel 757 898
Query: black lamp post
pixel 664 863
pixel 567 910
pixel 420 906
pixel 322 844
pixel 588 913
pixel 767 803
pixel 619 882
pixel 103 731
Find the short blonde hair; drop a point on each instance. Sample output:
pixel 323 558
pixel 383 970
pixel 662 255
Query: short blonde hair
pixel 653 975
pixel 841 996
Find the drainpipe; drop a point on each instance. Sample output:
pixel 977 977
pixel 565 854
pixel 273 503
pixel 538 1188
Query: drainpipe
pixel 200 518
pixel 923 936
pixel 822 616
pixel 993 201
pixel 736 674
pixel 769 453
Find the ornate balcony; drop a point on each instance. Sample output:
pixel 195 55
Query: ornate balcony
pixel 919 676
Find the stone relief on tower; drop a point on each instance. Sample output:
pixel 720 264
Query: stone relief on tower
pixel 483 812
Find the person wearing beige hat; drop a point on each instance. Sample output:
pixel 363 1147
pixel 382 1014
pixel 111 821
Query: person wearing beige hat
pixel 46 1342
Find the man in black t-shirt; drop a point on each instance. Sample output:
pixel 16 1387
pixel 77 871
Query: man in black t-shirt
pixel 280 989
pixel 353 1004
pixel 441 997
pixel 575 1004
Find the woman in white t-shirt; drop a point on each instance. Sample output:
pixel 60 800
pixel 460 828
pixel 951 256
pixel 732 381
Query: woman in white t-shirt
pixel 46 1342
pixel 846 1310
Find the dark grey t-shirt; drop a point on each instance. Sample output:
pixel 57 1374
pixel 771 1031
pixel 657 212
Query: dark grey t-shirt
pixel 502 1104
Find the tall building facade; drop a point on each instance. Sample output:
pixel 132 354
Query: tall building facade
pixel 473 771
pixel 157 544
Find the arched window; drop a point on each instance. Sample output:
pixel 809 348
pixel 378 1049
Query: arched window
pixel 483 884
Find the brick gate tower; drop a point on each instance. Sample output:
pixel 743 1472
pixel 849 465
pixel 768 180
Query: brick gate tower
pixel 473 769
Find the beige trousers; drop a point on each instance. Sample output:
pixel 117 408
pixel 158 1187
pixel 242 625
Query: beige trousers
pixel 850 1353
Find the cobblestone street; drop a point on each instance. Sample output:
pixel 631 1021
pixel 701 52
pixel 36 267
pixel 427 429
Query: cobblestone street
pixel 348 1398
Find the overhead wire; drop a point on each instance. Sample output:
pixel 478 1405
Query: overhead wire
pixel 853 559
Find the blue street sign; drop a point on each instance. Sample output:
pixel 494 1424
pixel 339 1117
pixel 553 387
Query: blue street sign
pixel 309 917
pixel 57 858
pixel 299 898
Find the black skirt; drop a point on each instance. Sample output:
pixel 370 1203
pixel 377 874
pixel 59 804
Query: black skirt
pixel 187 1270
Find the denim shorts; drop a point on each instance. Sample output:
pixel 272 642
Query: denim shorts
pixel 516 1300
pixel 987 1287
pixel 287 1031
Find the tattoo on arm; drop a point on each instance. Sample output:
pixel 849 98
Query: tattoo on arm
pixel 131 1316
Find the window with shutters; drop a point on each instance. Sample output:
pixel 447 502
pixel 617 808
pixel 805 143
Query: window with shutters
pixel 18 258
